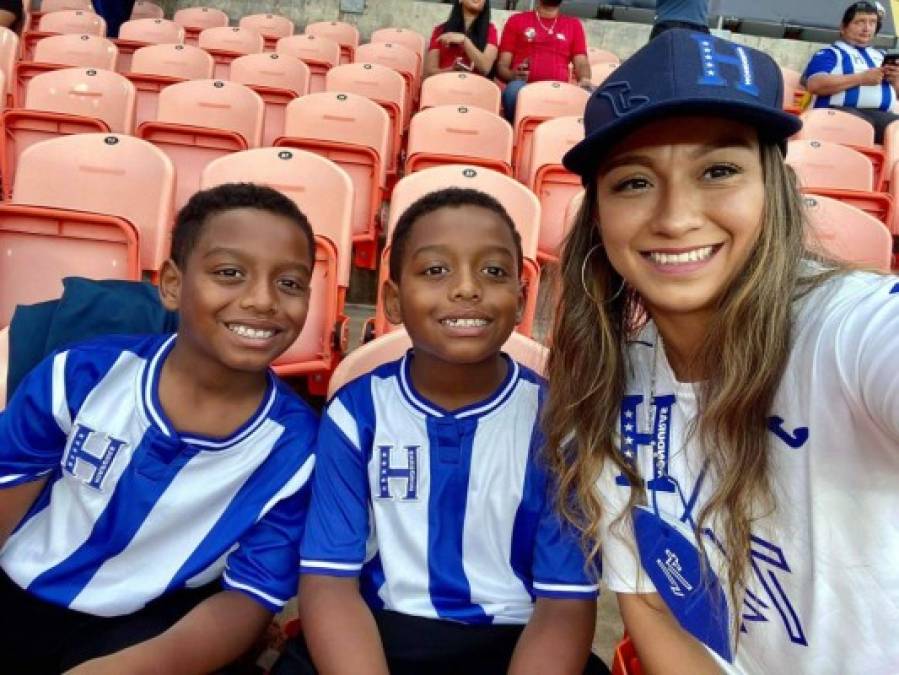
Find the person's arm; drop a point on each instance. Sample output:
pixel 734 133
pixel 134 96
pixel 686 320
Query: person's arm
pixel 334 615
pixel 891 75
pixel 664 648
pixel 826 84
pixel 582 71
pixel 213 634
pixel 482 60
pixel 14 504
pixel 504 70
pixel 432 64
pixel 557 639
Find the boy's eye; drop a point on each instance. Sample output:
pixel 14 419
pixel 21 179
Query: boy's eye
pixel 434 270
pixel 721 170
pixel 228 273
pixel 294 286
pixel 495 271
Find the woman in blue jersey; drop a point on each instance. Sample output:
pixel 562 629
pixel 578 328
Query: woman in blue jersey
pixel 732 435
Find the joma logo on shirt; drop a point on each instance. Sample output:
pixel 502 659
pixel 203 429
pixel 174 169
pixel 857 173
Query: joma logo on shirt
pixel 90 454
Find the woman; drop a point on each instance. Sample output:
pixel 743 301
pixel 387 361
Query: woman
pixel 466 42
pixel 747 518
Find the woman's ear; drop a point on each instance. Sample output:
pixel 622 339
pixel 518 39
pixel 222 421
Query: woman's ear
pixel 392 307
pixel 170 285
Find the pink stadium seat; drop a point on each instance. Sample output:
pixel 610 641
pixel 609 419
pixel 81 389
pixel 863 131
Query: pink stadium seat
pixel 459 134
pixel 110 174
pixel 794 92
pixel 278 79
pixel 305 178
pixel 600 71
pixel 847 233
pixel 319 53
pixel 518 200
pixel 272 27
pixel 460 89
pixel 397 57
pixel 382 85
pixel 48 6
pixel 155 67
pixel 408 38
pixel 63 102
pixel 838 126
pixel 63 23
pixel 344 34
pixel 62 51
pixel 833 170
pixel 225 44
pixel 891 150
pixel 9 49
pixel 197 19
pixel 147 10
pixel 393 345
pixel 139 33
pixel 4 364
pixel 553 184
pixel 596 56
pixel 353 132
pixel 198 121
pixel 537 103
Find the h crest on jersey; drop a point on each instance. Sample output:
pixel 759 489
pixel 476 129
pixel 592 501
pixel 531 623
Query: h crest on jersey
pixel 89 455
pixel 396 480
pixel 656 439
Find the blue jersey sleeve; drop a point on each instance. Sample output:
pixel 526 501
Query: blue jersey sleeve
pixel 824 61
pixel 264 564
pixel 338 527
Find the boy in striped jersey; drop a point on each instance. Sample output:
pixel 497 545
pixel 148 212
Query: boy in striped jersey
pixel 432 544
pixel 155 487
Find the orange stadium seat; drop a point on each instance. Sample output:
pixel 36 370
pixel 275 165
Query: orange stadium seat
pixel 305 177
pixel 197 19
pixel 226 43
pixel 600 71
pixel 460 89
pixel 891 150
pixel 155 67
pixel 839 126
pixel 147 10
pixel 9 50
pixel 4 364
pixel 111 174
pixel 595 56
pixel 625 661
pixel 138 33
pixel 408 38
pixel 353 132
pixel 48 6
pixel 319 53
pixel 847 233
pixel 198 121
pixel 894 220
pixel 63 102
pixel 553 184
pixel 537 103
pixel 382 85
pixel 278 79
pixel 63 51
pixel 833 170
pixel 63 23
pixel 344 34
pixel 272 27
pixel 518 200
pixel 459 134
pixel 399 58
pixel 794 92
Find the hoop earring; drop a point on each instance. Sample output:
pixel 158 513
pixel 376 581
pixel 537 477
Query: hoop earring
pixel 584 280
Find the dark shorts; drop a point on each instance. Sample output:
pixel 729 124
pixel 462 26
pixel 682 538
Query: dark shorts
pixel 662 26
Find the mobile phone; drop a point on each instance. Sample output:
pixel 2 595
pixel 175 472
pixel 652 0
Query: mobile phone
pixel 460 64
pixel 891 58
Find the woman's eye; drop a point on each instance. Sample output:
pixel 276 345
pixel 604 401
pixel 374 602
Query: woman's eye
pixel 631 185
pixel 718 171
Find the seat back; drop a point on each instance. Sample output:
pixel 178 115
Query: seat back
pixel 73 21
pixel 90 51
pixel 344 34
pixel 48 6
pixel 600 72
pixel 147 10
pixel 793 89
pixel 319 53
pixel 272 27
pixel 846 233
pixel 459 134
pixel 112 174
pixel 152 31
pixel 397 57
pixel 836 126
pixel 460 89
pixel 201 17
pixel 184 62
pixel 411 40
pixel 821 164
pixel 226 43
pixel 596 56
pixel 88 92
pixel 278 79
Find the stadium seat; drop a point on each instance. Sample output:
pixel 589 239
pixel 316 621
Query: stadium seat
pixel 278 79
pixel 41 246
pixel 553 184
pixel 625 661
pixel 305 178
pixel 518 200
pixel 794 92
pixel 393 345
pixel 600 71
pixel 9 50
pixel 408 38
pixel 63 102
pixel 344 34
pixel 459 134
pixel 319 53
pixel 197 19
pixel 382 85
pixel 272 27
pixel 155 67
pixel 891 151
pixel 138 33
pixel 4 364
pixel 110 174
pixel 537 103
pixel 399 58
pixel 848 234
pixel 595 56
pixel 839 126
pixel 460 89
pixel 147 10
pixel 198 121
pixel 833 170
pixel 894 220
pixel 62 51
pixel 225 44
pixel 353 132
pixel 67 22
pixel 48 6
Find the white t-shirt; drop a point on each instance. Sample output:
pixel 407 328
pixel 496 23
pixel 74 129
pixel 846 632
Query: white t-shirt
pixel 823 586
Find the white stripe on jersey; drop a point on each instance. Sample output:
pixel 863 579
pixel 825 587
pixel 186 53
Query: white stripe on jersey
pixel 343 419
pixel 324 564
pixel 566 588
pixel 293 485
pixel 255 591
pixel 60 404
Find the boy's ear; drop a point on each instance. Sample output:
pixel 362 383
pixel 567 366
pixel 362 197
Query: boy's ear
pixel 170 285
pixel 522 300
pixel 392 309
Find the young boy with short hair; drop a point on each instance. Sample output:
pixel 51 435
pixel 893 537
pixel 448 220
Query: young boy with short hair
pixel 154 488
pixel 432 545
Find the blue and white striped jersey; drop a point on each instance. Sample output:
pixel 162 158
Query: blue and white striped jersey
pixel 133 510
pixel 842 58
pixel 441 514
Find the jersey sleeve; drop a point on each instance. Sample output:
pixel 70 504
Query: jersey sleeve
pixel 264 564
pixel 436 33
pixel 338 527
pixel 492 36
pixel 510 36
pixel 35 424
pixel 579 43
pixel 824 61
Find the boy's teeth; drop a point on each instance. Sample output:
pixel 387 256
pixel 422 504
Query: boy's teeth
pixel 464 323
pixel 696 255
pixel 252 333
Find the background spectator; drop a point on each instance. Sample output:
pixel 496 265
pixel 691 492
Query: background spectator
pixel 467 41
pixel 691 14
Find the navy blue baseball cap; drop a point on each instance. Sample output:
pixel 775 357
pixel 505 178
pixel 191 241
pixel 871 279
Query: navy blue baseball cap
pixel 682 72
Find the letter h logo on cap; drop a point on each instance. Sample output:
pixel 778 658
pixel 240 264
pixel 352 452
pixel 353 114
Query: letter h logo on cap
pixel 712 59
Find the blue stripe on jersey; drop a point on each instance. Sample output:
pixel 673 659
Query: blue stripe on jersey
pixel 524 531
pixel 371 582
pixel 850 96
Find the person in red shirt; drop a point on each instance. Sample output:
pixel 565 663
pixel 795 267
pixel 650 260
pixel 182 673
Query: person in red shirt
pixel 539 45
pixel 467 41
